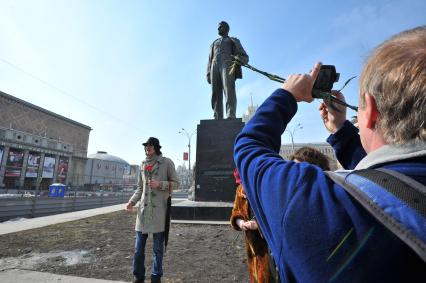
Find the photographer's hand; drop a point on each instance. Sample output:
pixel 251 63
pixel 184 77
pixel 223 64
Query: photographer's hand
pixel 300 85
pixel 333 120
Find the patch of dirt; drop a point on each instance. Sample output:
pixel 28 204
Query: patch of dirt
pixel 102 247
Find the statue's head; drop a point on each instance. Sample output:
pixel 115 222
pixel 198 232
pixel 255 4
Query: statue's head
pixel 223 28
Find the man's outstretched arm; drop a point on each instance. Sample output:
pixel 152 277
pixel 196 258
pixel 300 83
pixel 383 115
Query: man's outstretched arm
pixel 269 181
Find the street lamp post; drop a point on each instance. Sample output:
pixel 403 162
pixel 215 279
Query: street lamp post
pixel 189 136
pixel 291 132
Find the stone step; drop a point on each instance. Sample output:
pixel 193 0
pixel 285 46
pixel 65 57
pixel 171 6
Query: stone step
pixel 197 210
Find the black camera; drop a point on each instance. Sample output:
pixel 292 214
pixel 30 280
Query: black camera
pixel 326 78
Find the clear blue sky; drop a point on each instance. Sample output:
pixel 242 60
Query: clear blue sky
pixel 134 69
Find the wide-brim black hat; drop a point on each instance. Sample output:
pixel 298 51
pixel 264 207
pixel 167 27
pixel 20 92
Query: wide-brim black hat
pixel 152 141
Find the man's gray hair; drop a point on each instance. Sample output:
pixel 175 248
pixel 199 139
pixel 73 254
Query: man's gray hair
pixel 395 75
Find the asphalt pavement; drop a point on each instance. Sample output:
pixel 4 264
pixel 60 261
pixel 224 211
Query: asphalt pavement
pixel 19 275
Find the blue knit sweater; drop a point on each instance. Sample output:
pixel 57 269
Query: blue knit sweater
pixel 315 230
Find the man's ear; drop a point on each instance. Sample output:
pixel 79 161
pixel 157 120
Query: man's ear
pixel 371 113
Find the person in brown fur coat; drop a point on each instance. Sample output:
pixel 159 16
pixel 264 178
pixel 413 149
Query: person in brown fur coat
pixel 260 263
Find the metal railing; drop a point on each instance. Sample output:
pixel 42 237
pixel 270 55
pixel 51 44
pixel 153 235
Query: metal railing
pixel 36 206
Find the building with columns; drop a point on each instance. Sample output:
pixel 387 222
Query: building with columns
pixel 39 147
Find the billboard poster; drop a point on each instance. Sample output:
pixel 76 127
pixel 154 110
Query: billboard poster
pixel 14 163
pixel 63 168
pixel 1 155
pixel 33 165
pixel 48 167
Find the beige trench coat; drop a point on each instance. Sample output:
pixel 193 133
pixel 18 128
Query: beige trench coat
pixel 151 215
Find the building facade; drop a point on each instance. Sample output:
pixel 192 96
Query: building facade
pixel 130 178
pixel 108 172
pixel 251 109
pixel 39 147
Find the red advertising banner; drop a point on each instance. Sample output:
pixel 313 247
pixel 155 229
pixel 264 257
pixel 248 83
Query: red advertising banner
pixel 63 168
pixel 185 156
pixel 14 163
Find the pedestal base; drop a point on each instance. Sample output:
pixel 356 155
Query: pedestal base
pixel 198 210
pixel 214 180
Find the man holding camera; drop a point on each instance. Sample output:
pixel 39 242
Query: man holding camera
pixel 316 231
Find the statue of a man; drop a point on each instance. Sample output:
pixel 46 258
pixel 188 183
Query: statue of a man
pixel 218 71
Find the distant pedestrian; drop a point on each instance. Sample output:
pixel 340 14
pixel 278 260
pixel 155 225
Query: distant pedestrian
pixel 157 180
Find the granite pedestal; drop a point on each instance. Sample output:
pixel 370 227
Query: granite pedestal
pixel 200 210
pixel 214 180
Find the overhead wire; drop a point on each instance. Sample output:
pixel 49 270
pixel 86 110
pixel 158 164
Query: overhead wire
pixel 68 94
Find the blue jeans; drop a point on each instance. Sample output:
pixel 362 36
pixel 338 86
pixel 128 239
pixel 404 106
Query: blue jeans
pixel 157 258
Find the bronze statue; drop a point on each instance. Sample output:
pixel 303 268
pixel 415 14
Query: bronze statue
pixel 218 71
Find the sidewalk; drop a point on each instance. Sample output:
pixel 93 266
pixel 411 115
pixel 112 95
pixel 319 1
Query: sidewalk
pixel 12 226
pixel 18 275
pixel 32 223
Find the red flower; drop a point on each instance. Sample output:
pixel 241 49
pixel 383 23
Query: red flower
pixel 148 168
pixel 237 177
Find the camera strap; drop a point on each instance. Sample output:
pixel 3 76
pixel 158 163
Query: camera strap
pixel 394 199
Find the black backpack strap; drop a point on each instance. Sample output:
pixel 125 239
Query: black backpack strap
pixel 395 200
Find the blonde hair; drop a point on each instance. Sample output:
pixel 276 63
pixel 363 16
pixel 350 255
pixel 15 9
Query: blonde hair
pixel 395 75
